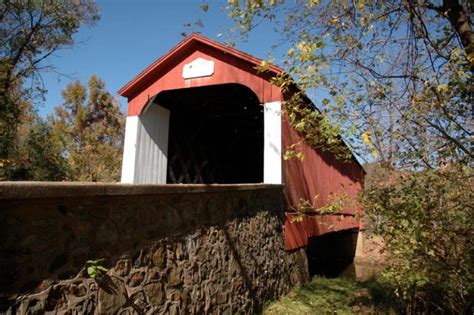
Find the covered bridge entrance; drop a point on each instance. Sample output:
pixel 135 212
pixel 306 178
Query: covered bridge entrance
pixel 203 114
pixel 210 136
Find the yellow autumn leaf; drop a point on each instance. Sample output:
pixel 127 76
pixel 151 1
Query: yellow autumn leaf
pixel 297 218
pixel 366 138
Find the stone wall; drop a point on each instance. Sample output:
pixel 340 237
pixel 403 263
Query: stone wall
pixel 168 249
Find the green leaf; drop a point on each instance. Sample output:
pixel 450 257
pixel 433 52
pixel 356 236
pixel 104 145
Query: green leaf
pixel 205 7
pixel 92 272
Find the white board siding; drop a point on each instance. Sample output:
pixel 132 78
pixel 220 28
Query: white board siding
pixel 129 150
pixel 272 165
pixel 146 162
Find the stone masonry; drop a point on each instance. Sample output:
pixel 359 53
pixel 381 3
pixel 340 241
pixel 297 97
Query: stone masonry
pixel 175 249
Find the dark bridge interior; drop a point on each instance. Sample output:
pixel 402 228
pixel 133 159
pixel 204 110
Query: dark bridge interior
pixel 215 135
pixel 330 255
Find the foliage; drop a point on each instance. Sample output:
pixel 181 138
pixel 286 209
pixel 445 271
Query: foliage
pixel 14 117
pixel 336 204
pixel 46 161
pixel 393 77
pixel 13 140
pixel 95 268
pixel 393 80
pixel 336 296
pixel 39 154
pixel 90 127
pixel 425 219
pixel 315 127
pixel 30 32
pixel 82 141
pixel 322 296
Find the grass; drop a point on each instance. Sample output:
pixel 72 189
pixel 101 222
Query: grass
pixel 335 296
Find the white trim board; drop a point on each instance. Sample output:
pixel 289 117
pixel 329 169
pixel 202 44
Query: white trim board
pixel 272 165
pixel 129 150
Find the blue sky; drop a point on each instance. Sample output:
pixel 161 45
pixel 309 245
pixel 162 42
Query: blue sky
pixel 133 34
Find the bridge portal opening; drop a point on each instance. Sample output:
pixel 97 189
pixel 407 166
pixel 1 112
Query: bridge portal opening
pixel 216 135
pixel 331 254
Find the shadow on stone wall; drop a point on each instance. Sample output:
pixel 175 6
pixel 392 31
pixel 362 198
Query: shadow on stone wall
pixel 196 252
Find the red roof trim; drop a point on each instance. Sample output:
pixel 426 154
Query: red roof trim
pixel 130 87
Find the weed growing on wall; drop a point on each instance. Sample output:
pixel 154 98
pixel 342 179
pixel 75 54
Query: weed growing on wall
pixel 95 268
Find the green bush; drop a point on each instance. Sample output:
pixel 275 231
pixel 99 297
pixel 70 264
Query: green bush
pixel 426 221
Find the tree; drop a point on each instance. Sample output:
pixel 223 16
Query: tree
pixel 90 128
pixel 30 32
pixel 393 79
pixel 382 70
pixel 42 150
pixel 425 219
pixel 38 154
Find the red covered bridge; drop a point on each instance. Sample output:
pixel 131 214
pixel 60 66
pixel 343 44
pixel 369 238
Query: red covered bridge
pixel 203 114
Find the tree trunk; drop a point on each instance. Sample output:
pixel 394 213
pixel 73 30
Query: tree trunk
pixel 459 20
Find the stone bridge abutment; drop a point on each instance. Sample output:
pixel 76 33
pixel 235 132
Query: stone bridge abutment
pixel 167 248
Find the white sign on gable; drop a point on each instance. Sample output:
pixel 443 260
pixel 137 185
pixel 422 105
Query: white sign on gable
pixel 198 68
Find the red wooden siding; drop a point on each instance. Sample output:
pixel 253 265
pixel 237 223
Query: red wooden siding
pixel 298 232
pixel 318 174
pixel 230 66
